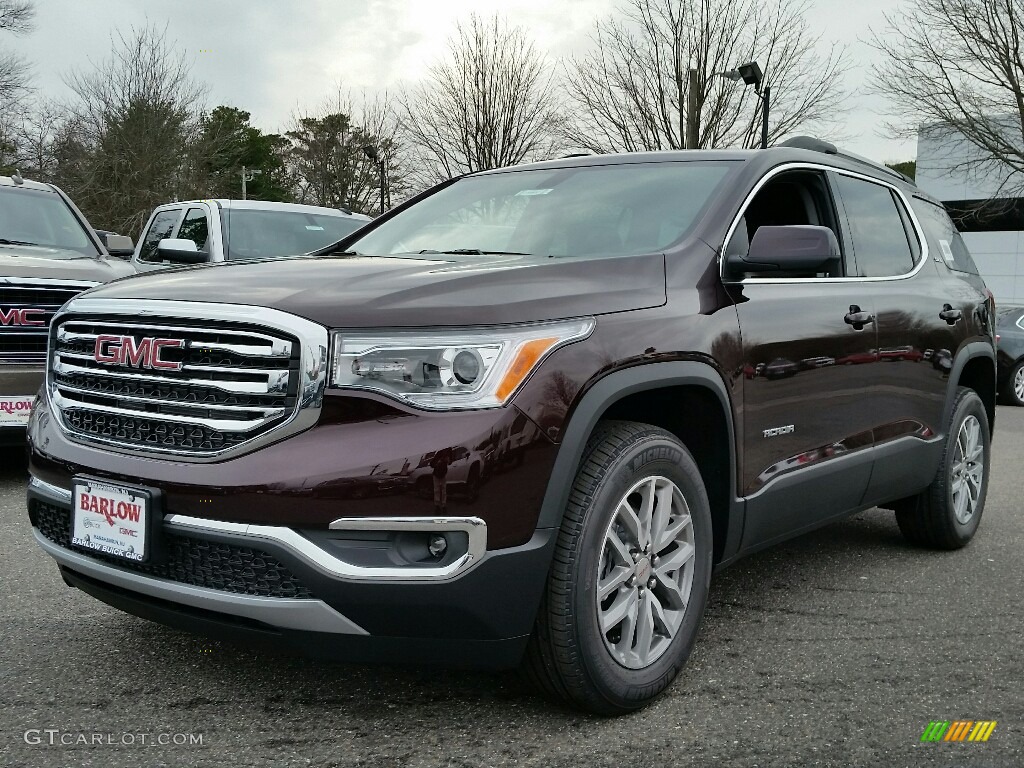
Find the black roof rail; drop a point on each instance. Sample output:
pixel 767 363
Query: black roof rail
pixel 828 148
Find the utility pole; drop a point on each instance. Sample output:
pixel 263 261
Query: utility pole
pixel 766 97
pixel 377 158
pixel 248 176
pixel 692 111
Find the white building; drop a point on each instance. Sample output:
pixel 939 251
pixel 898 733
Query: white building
pixel 950 169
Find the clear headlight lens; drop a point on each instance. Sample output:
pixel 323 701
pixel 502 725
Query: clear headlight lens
pixel 448 368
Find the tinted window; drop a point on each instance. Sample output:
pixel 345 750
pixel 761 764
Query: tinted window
pixel 880 243
pixel 944 236
pixel 578 211
pixel 256 234
pixel 194 227
pixel 997 215
pixel 41 218
pixel 162 226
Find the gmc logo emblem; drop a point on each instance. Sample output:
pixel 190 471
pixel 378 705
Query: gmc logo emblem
pixel 124 350
pixel 22 317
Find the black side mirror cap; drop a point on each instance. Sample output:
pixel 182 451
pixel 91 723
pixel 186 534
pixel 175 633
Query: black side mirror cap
pixel 793 248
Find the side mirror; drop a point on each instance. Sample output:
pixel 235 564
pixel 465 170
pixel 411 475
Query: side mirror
pixel 793 248
pixel 120 246
pixel 180 250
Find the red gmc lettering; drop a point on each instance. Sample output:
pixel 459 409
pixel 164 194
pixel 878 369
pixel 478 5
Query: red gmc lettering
pixel 145 353
pixel 29 317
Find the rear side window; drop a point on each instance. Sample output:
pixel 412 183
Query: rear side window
pixel 161 227
pixel 194 227
pixel 880 240
pixel 944 236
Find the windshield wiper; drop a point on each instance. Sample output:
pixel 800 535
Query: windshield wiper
pixel 476 252
pixel 5 241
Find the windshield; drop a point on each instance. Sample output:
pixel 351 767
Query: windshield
pixel 256 234
pixel 31 217
pixel 598 210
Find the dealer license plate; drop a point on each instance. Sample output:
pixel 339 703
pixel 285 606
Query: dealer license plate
pixel 111 519
pixel 14 411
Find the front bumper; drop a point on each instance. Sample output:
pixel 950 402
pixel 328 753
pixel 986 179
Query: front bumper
pixel 288 589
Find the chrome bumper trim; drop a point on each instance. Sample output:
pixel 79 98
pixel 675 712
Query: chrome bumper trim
pixel 286 613
pixel 300 546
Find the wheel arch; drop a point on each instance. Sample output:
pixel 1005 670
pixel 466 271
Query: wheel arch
pixel 975 368
pixel 645 393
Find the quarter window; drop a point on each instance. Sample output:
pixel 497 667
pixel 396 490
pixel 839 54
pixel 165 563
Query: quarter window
pixel 880 241
pixel 161 227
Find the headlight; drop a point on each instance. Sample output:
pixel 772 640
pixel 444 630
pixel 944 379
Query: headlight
pixel 448 368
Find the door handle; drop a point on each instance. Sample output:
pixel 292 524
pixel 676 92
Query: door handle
pixel 949 314
pixel 858 318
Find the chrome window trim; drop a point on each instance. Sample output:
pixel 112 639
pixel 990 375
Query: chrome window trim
pixel 918 230
pixel 310 615
pixel 313 357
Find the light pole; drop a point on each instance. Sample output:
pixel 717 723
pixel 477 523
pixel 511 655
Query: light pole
pixel 248 176
pixel 750 73
pixel 375 157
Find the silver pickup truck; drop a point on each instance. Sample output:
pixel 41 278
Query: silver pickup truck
pixel 48 254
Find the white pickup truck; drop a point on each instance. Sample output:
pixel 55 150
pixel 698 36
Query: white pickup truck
pixel 210 231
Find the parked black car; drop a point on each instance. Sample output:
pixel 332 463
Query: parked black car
pixel 1010 355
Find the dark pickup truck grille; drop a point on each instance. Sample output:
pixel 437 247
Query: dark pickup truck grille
pixel 25 314
pixel 186 560
pixel 172 385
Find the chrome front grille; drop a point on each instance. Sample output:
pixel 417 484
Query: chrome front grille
pixel 26 309
pixel 208 386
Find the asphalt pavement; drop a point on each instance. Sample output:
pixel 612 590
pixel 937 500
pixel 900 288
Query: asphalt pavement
pixel 835 649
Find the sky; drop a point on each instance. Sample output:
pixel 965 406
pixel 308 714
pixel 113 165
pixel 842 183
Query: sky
pixel 274 58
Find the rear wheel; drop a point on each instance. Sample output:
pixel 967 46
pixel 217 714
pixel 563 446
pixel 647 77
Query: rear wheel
pixel 1013 390
pixel 630 577
pixel 947 513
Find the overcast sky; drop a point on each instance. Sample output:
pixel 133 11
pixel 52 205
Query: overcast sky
pixel 271 57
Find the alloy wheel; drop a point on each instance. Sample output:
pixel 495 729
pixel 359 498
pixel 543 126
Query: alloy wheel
pixel 968 469
pixel 645 573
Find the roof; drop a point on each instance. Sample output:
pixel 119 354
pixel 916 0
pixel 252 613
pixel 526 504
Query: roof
pixel 7 181
pixel 265 205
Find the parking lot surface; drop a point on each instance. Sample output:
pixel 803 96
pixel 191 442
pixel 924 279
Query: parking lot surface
pixel 837 648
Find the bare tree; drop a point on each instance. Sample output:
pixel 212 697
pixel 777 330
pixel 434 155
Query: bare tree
pixel 957 65
pixel 16 17
pixel 491 102
pixel 136 119
pixel 631 89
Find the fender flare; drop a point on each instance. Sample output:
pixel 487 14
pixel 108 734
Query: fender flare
pixel 613 388
pixel 968 352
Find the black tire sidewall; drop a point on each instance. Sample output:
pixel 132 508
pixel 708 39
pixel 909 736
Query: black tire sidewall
pixel 1009 393
pixel 650 456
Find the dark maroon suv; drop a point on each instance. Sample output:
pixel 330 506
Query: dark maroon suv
pixel 521 418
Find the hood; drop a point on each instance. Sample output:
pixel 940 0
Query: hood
pixel 361 292
pixel 57 264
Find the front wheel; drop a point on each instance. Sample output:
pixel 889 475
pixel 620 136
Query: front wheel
pixel 947 513
pixel 630 576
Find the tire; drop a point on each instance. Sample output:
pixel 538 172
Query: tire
pixel 472 490
pixel 1013 389
pixel 947 513
pixel 569 656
